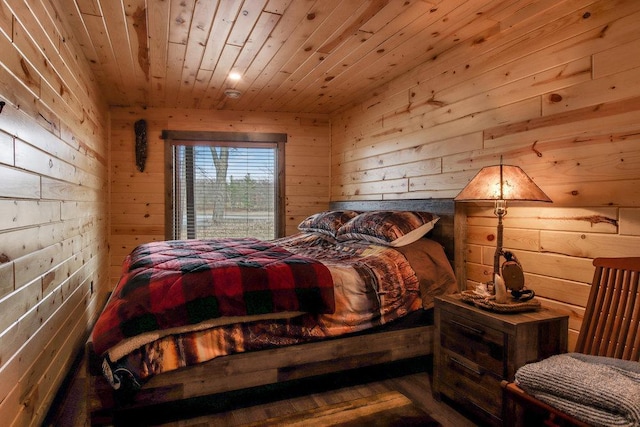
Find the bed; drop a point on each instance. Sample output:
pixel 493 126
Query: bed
pixel 366 299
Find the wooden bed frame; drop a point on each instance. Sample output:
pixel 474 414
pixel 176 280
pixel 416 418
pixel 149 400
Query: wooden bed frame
pixel 259 368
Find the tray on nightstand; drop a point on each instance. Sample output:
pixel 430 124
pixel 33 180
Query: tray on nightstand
pixel 488 303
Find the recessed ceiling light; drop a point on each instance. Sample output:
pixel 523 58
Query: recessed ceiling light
pixel 234 76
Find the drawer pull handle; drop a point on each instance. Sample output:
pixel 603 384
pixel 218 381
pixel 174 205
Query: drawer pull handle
pixel 485 411
pixel 466 366
pixel 469 328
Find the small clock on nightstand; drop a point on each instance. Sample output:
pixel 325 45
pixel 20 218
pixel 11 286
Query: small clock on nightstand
pixel 476 349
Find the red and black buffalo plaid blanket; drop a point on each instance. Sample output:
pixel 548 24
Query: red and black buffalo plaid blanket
pixel 183 282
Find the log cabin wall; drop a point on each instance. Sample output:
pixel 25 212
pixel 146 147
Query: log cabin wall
pixel 53 207
pixel 554 89
pixel 137 198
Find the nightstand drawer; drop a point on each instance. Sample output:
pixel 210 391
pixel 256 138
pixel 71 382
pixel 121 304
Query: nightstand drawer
pixel 475 342
pixel 463 378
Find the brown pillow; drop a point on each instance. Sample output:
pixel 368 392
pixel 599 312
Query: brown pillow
pixel 390 228
pixel 327 222
pixel 433 269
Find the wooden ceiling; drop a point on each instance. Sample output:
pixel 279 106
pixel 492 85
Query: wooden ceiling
pixel 316 56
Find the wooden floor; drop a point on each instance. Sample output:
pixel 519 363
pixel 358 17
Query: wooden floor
pixel 234 409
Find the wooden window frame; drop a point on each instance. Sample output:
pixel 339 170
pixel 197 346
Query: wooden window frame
pixel 174 137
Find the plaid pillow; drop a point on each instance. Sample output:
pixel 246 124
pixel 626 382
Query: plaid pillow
pixel 391 228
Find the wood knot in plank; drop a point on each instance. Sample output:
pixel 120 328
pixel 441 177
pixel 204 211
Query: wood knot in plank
pixel 4 258
pixel 533 148
pixel 555 97
pixel 603 31
pixel 433 101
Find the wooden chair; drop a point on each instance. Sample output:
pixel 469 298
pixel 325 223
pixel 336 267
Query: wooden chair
pixel 611 327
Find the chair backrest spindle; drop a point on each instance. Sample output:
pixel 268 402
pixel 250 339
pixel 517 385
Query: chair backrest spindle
pixel 610 325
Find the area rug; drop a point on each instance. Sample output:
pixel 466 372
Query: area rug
pixel 388 409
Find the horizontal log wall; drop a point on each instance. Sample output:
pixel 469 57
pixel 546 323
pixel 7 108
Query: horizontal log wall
pixel 553 88
pixel 137 198
pixel 53 207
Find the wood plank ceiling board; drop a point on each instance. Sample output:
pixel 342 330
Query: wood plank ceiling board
pixel 199 31
pixel 241 51
pixel 109 75
pixel 333 50
pixel 326 38
pixel 136 26
pixel 221 28
pixel 158 39
pixel 416 45
pixel 71 66
pixel 292 37
pixel 307 56
pixel 257 38
pixel 68 10
pixel 115 23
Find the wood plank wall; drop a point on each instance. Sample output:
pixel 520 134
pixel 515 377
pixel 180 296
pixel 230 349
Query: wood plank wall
pixel 137 198
pixel 53 206
pixel 553 87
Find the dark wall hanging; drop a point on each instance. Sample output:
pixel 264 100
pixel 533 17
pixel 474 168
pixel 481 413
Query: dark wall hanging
pixel 140 128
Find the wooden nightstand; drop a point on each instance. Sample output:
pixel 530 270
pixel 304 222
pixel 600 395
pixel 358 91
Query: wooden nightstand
pixel 476 349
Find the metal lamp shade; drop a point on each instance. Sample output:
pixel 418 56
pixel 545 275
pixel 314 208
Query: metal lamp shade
pixel 502 182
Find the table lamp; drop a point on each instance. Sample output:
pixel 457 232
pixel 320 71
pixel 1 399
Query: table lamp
pixel 501 183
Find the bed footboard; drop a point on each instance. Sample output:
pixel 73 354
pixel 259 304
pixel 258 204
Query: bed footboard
pixel 252 369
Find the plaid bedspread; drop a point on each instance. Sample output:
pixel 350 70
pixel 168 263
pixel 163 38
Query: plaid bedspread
pixel 174 283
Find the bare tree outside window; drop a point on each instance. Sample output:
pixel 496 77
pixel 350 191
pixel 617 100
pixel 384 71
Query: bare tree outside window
pixel 220 156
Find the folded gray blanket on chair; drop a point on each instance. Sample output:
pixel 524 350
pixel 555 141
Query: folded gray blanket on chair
pixel 600 391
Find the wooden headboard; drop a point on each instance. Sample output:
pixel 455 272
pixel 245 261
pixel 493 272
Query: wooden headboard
pixel 445 231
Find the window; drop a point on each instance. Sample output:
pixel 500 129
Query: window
pixel 224 184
